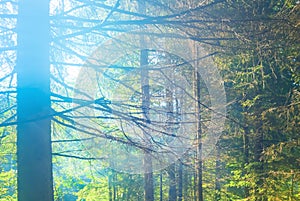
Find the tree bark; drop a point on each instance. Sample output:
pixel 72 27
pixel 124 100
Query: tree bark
pixel 259 167
pixel 34 154
pixel 170 130
pixel 148 175
pixel 199 142
pixel 199 129
pixel 186 181
pixel 110 192
pixel 161 186
pixel 246 157
pixel 172 183
pixel 218 175
pixel 180 181
pixel 195 189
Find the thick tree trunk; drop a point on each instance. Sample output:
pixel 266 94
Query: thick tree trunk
pixel 34 156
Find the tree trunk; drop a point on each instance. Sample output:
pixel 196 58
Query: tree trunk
pixel 246 157
pixel 172 183
pixel 195 189
pixel 218 175
pixel 180 180
pixel 186 181
pixel 110 192
pixel 114 182
pixel 259 168
pixel 160 186
pixel 170 130
pixel 148 175
pixel 34 154
pixel 197 86
pixel 199 142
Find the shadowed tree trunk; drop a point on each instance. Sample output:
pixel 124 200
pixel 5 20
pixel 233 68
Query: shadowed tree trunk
pixel 110 188
pixel 33 102
pixel 114 182
pixel 170 130
pixel 186 180
pixel 195 181
pixel 172 183
pixel 199 163
pixel 148 175
pixel 180 181
pixel 218 175
pixel 199 142
pixel 160 186
pixel 246 155
pixel 259 168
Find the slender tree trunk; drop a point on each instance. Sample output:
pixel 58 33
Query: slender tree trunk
pixel 292 198
pixel 129 189
pixel 148 175
pixel 172 183
pixel 199 142
pixel 199 163
pixel 161 186
pixel 34 154
pixel 195 189
pixel 218 175
pixel 186 181
pixel 170 130
pixel 110 193
pixel 148 188
pixel 114 181
pixel 246 157
pixel 259 168
pixel 180 181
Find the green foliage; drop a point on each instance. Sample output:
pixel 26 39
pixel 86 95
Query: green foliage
pixel 8 176
pixel 94 191
pixel 8 185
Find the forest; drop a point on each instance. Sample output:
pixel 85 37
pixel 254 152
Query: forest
pixel 149 100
